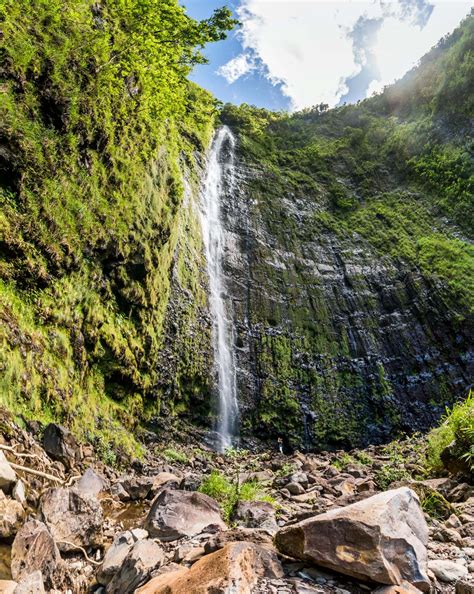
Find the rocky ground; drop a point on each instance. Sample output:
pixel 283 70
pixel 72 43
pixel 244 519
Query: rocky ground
pixel 306 523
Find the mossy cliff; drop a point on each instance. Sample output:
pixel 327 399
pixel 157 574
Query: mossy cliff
pixel 353 286
pixel 99 135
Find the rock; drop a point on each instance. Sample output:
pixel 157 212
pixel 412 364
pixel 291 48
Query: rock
pixel 235 568
pixel 171 481
pixel 32 584
pixel 7 586
pixel 461 492
pixel 119 492
pixel 382 538
pixel 256 514
pixel 117 552
pixel 137 487
pixel 91 483
pixel 72 516
pixel 175 514
pixel 464 587
pixel 33 550
pixel 453 522
pixel 143 558
pixel 403 588
pixel 11 517
pixel 294 488
pixel 365 486
pixel 258 536
pixel 447 571
pixel 452 459
pixel 7 474
pixel 61 445
pixel 19 493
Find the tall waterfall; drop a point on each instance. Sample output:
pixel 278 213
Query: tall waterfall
pixel 220 178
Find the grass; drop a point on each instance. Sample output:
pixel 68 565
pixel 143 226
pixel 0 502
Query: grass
pixel 458 426
pixel 172 455
pixel 229 493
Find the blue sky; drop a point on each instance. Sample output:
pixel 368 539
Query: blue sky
pixel 291 54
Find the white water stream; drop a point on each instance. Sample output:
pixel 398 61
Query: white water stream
pixel 220 178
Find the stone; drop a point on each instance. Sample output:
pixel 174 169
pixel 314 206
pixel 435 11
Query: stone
pixel 91 483
pixel 163 479
pixel 33 550
pixel 256 514
pixel 235 568
pixel 7 474
pixel 137 487
pixel 464 587
pixel 175 514
pixel 19 493
pixel 447 571
pixel 73 517
pixel 117 552
pixel 382 538
pixel 403 588
pixel 119 492
pixel 258 536
pixel 461 492
pixel 61 445
pixel 143 558
pixel 31 584
pixel 11 517
pixel 294 488
pixel 7 586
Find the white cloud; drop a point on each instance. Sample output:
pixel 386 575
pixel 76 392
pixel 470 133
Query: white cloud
pixel 237 67
pixel 305 44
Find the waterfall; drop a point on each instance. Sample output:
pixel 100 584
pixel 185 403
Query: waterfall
pixel 219 179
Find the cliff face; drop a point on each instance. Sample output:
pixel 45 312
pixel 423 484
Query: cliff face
pixel 343 262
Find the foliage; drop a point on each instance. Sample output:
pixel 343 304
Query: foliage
pixel 172 455
pixel 98 127
pixel 458 426
pixel 228 493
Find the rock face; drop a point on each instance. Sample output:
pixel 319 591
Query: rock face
pixel 235 568
pixel 61 445
pixel 381 539
pixel 72 516
pixel 33 550
pixel 7 474
pixel 334 343
pixel 175 514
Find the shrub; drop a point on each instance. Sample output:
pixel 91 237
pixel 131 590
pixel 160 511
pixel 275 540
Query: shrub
pixel 458 426
pixel 172 455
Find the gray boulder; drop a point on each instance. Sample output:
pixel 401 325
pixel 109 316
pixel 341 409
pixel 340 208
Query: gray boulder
pixel 382 539
pixel 61 445
pixel 448 571
pixel 175 514
pixel 72 517
pixel 11 517
pixel 256 514
pixel 33 550
pixel 7 474
pixel 91 483
pixel 143 558
pixel 31 584
pixel 117 552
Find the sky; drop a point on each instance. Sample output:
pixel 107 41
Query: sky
pixel 292 54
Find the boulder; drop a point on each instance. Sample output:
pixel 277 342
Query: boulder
pixel 235 568
pixel 165 479
pixel 256 514
pixel 91 483
pixel 143 558
pixel 11 517
pixel 61 445
pixel 31 584
pixel 294 488
pixel 465 587
pixel 73 517
pixel 18 492
pixel 175 514
pixel 382 538
pixel 116 554
pixel 7 474
pixel 448 571
pixel 137 487
pixel 33 550
pixel 7 586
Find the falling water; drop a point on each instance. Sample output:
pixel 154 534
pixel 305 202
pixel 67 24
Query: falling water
pixel 220 177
